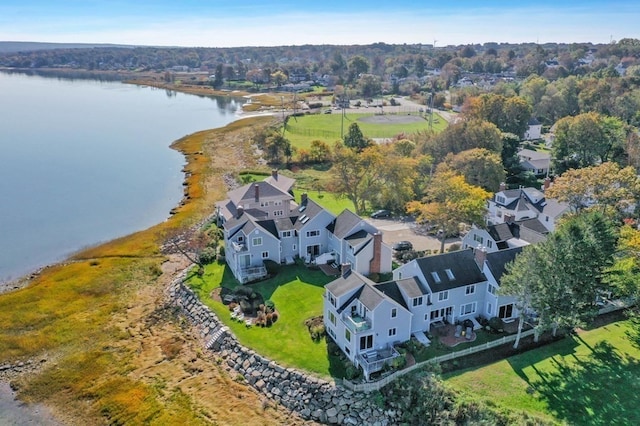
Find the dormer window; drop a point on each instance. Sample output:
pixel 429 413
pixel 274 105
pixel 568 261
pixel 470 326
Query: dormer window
pixel 500 199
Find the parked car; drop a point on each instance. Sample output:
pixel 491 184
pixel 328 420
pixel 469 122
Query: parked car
pixel 403 246
pixel 380 214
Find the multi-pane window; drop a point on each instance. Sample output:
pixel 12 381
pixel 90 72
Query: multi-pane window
pixel 467 309
pixel 443 295
pixel 470 289
pixel 256 241
pixel 366 342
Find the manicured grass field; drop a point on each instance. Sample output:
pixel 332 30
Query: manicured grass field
pixel 592 378
pixel 327 127
pixel 297 293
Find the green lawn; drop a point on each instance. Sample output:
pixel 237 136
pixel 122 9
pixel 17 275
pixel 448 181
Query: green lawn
pixel 328 200
pixel 297 293
pixel 592 378
pixel 327 127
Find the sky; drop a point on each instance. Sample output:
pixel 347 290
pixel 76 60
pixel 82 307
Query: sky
pixel 214 23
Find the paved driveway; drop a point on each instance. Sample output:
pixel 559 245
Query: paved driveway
pixel 394 230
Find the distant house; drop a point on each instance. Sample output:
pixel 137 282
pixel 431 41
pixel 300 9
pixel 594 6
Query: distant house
pixel 534 161
pixel 516 205
pixel 505 235
pixel 534 130
pixel 261 221
pixel 367 320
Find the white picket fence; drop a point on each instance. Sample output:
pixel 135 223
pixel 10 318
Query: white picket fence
pixel 377 385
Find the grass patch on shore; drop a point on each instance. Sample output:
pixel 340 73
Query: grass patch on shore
pixel 297 293
pixel 584 379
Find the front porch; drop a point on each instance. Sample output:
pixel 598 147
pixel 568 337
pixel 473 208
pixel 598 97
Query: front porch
pixel 375 360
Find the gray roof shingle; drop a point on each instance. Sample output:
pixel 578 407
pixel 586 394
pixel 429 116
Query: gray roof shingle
pixel 462 265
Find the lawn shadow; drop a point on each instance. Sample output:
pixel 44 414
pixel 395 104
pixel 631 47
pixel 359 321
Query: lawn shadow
pixel 530 358
pixel 596 389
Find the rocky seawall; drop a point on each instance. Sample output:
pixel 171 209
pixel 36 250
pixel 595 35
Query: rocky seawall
pixel 310 397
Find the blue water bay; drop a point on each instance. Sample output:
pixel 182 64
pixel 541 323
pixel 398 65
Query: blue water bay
pixel 82 162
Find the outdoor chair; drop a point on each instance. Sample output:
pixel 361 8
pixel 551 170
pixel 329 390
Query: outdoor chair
pixel 458 331
pixel 468 333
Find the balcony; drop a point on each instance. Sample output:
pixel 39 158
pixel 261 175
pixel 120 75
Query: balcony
pixel 355 322
pixel 375 360
pixel 237 247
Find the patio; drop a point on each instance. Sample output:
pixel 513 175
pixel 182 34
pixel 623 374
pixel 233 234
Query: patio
pixel 446 335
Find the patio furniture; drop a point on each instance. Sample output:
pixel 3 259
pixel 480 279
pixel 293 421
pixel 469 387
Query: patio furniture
pixel 234 315
pixel 469 332
pixel 248 323
pixel 458 331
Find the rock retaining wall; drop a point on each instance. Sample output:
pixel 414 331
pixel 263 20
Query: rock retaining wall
pixel 310 397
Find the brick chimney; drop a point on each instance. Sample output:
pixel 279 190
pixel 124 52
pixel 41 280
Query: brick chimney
pixel 345 270
pixel 509 218
pixel 480 255
pixel 239 211
pixel 503 186
pixel 375 265
pixel 546 184
pixel 274 174
pixel 256 188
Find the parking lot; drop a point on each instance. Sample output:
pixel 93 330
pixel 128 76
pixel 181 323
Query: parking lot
pixel 394 230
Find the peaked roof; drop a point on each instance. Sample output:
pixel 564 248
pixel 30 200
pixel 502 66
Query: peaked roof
pixel 283 183
pixel 307 208
pixel 344 223
pixel 461 263
pixel 500 232
pixel 497 261
pixel 346 283
pixel 248 192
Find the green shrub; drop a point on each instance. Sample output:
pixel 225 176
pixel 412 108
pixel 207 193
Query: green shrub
pixel 453 247
pixel 317 332
pixel 496 324
pixel 398 362
pixel 269 306
pixel 208 255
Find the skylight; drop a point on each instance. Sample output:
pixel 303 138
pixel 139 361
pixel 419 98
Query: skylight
pixel 302 208
pixel 436 277
pixel 450 274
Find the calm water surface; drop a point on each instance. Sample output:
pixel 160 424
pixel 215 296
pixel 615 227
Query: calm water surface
pixel 82 162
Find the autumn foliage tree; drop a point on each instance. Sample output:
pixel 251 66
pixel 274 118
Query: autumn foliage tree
pixel 588 139
pixel 606 187
pixel 479 166
pixel 461 136
pixel 449 201
pixel 509 114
